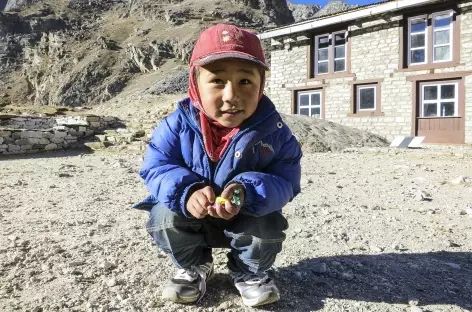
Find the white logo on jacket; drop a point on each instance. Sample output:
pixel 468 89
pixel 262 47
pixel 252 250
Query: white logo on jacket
pixel 265 148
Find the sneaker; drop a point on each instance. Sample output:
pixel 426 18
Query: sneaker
pixel 188 285
pixel 256 290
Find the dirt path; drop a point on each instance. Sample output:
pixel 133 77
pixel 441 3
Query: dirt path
pixel 372 230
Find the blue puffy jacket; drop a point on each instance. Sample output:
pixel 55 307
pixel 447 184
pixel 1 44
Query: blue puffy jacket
pixel 264 156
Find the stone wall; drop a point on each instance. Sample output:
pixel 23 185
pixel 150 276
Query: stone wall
pixel 375 54
pixel 27 135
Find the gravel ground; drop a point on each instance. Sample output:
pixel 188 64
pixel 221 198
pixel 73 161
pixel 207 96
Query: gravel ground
pixel 373 230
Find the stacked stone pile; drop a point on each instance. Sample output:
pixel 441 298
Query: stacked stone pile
pixel 27 135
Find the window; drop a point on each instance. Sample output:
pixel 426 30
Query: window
pixel 310 103
pixel 330 53
pixel 439 99
pixel 431 38
pixel 366 98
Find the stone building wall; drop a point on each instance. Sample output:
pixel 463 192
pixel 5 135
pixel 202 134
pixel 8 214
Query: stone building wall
pixel 375 54
pixel 27 135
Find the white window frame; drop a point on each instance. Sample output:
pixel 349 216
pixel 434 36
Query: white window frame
pixel 451 34
pixel 310 106
pixel 334 51
pixel 426 41
pixel 331 52
pixel 429 36
pixel 439 100
pixel 316 54
pixel 358 97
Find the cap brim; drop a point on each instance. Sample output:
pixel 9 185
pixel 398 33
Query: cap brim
pixel 230 55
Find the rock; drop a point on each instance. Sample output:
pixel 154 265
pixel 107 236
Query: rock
pixel 412 301
pixel 453 265
pixel 348 276
pixel 50 147
pixel 423 196
pixel 64 175
pixel 467 211
pixel 415 309
pixel 112 282
pixel 461 180
pixel 319 268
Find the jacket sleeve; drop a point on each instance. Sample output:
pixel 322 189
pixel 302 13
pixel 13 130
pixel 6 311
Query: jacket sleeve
pixel 164 171
pixel 271 190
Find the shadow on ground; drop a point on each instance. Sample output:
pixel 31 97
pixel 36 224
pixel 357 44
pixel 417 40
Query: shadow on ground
pixel 438 278
pixel 51 154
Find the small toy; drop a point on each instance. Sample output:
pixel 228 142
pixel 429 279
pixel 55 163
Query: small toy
pixel 235 200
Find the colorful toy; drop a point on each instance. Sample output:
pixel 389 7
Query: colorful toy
pixel 235 200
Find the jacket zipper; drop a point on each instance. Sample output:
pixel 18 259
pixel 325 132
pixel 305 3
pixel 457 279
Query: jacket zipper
pixel 200 137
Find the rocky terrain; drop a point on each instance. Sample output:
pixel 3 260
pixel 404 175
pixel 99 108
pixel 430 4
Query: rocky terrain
pixel 84 52
pixel 373 230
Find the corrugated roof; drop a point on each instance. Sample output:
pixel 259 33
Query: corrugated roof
pixel 356 8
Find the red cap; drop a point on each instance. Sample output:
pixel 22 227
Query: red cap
pixel 223 41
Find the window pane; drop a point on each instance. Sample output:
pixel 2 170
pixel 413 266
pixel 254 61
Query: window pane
pixel 339 65
pixel 441 37
pixel 417 56
pixel 323 42
pixel 442 53
pixel 304 100
pixel 417 41
pixel 340 52
pixel 367 98
pixel 430 110
pixel 323 68
pixel 315 99
pixel 430 93
pixel 316 112
pixel 304 111
pixel 418 26
pixel 442 21
pixel 339 39
pixel 322 54
pixel 447 109
pixel 448 92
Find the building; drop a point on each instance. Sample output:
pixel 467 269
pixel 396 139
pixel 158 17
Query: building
pixel 397 67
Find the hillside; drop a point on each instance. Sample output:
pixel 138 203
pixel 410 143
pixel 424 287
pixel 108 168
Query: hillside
pixel 77 53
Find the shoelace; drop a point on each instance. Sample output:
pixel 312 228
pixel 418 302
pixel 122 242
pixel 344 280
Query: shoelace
pixel 253 279
pixel 190 274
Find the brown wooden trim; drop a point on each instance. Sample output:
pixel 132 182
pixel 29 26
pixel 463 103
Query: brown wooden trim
pixel 304 88
pixel 331 76
pixel 321 88
pixel 456 39
pixel 429 13
pixel 311 65
pixel 309 60
pixel 430 66
pixel 416 98
pixel 369 81
pixel 453 75
pixel 378 98
pixel 366 114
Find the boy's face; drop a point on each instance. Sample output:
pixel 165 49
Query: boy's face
pixel 229 90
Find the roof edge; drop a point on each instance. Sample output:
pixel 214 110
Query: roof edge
pixel 348 16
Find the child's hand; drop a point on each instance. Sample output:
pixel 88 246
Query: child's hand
pixel 199 201
pixel 229 209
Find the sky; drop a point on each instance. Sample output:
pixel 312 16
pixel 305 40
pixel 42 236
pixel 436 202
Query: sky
pixel 324 2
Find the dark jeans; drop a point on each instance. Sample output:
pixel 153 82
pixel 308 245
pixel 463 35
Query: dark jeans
pixel 254 241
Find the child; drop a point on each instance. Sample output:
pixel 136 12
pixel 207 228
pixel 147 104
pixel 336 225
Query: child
pixel 225 140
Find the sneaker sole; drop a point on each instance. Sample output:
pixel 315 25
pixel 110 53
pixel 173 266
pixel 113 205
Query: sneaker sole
pixel 264 299
pixel 175 297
